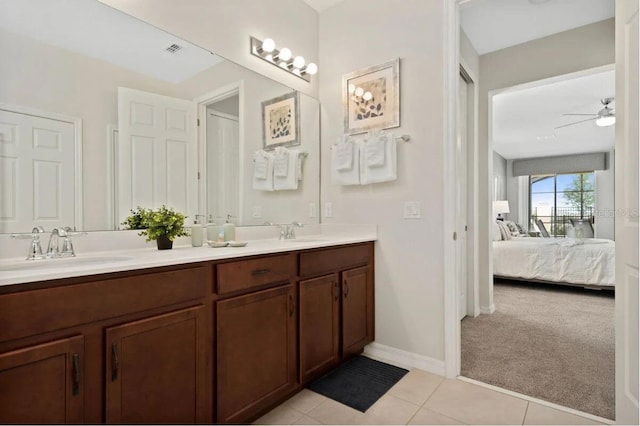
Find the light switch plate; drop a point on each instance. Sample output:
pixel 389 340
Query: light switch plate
pixel 412 210
pixel 328 209
pixel 257 212
pixel 313 210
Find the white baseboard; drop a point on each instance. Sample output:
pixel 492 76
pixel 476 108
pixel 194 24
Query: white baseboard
pixel 491 309
pixel 404 359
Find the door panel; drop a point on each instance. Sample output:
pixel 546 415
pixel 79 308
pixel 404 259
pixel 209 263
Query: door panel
pixel 156 369
pixel 43 383
pixel 357 310
pixel 461 198
pixel 319 325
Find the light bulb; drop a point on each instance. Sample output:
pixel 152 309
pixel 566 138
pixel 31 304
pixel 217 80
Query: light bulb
pixel 359 91
pixel 283 65
pixel 269 57
pixel 352 88
pixel 268 45
pixel 296 71
pixel 367 96
pixel 285 54
pixel 608 120
pixel 298 62
pixel 312 69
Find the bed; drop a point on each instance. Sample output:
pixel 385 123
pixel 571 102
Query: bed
pixel 587 262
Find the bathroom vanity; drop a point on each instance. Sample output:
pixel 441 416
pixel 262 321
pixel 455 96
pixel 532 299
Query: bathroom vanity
pixel 208 336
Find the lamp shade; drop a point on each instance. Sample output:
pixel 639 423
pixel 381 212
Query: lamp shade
pixel 500 206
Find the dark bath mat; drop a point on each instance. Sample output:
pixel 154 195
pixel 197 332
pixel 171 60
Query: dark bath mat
pixel 358 383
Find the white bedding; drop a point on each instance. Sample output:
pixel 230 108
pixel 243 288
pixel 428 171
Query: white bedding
pixel 569 260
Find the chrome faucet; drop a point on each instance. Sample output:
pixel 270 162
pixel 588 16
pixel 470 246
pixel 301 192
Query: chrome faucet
pixel 288 232
pixel 53 248
pixel 35 249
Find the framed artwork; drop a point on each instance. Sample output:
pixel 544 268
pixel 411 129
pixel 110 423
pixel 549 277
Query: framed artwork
pixel 371 98
pixel 280 118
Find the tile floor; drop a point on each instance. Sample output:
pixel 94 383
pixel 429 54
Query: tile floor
pixel 423 398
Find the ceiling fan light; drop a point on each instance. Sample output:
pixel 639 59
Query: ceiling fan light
pixel 606 121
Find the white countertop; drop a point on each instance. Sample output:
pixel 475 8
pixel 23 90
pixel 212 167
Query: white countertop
pixel 19 270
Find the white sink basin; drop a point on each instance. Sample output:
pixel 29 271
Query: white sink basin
pixel 28 265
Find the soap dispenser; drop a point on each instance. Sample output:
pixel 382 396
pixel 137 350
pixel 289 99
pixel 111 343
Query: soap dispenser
pixel 212 229
pixel 196 233
pixel 229 229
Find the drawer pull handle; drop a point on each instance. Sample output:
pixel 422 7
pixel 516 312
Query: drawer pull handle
pixel 291 306
pixel 258 272
pixel 346 289
pixel 115 362
pixel 76 374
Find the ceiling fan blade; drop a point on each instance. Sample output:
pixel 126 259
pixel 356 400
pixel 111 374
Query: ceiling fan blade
pixel 592 115
pixel 577 122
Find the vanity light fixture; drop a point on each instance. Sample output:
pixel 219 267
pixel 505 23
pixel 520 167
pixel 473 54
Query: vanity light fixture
pixel 267 51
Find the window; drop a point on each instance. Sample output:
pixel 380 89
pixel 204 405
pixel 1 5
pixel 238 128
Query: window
pixel 557 198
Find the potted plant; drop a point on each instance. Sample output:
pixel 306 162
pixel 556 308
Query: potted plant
pixel 162 225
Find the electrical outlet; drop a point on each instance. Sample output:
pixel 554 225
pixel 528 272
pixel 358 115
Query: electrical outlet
pixel 328 209
pixel 257 212
pixel 313 210
pixel 412 210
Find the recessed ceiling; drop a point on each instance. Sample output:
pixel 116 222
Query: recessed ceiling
pixel 321 5
pixel 496 24
pixel 524 120
pixel 94 29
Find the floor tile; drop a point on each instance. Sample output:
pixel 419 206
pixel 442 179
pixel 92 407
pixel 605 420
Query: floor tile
pixel 306 420
pixel 424 416
pixel 390 410
pixel 538 414
pixel 281 415
pixel 416 386
pixel 475 404
pixel 305 401
pixel 331 412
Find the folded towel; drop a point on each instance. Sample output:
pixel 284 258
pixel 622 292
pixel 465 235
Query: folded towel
pixel 262 171
pixel 281 162
pixel 349 176
pixel 385 173
pixel 344 154
pixel 374 149
pixel 301 157
pixel 290 180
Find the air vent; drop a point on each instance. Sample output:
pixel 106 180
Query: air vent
pixel 174 48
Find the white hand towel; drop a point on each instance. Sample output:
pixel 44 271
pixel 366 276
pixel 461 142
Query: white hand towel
pixel 281 162
pixel 374 149
pixel 301 157
pixel 350 176
pixel 290 181
pixel 384 173
pixel 344 154
pixel 262 171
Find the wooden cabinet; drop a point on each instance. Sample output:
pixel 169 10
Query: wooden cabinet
pixel 256 352
pixel 155 369
pixel 319 325
pixel 357 310
pixel 43 383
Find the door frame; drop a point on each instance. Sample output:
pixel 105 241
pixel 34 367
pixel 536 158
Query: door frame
pixel 77 161
pixel 224 92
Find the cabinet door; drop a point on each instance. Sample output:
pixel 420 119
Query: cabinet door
pixel 357 310
pixel 256 358
pixel 43 383
pixel 319 325
pixel 156 369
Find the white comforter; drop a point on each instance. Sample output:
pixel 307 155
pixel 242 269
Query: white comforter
pixel 569 260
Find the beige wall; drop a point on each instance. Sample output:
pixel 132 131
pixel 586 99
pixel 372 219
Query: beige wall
pixel 224 27
pixel 409 277
pixel 575 50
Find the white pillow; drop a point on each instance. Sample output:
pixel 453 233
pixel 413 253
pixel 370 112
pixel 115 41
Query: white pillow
pixel 504 230
pixel 497 236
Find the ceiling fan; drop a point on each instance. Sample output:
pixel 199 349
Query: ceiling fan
pixel 605 117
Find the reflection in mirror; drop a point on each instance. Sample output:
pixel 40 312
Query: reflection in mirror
pixel 72 152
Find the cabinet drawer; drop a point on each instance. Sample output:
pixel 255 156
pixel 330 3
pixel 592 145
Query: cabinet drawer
pixel 234 277
pixel 40 311
pixel 330 260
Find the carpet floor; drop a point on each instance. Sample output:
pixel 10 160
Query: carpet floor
pixel 550 342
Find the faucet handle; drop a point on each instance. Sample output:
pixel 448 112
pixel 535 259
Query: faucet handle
pixel 67 244
pixel 35 249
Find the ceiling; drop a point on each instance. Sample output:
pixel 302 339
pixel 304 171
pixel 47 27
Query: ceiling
pixel 94 29
pixel 496 24
pixel 524 120
pixel 321 5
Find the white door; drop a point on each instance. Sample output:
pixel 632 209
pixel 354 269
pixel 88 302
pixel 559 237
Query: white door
pixel 461 198
pixel 223 158
pixel 157 153
pixel 626 202
pixel 37 173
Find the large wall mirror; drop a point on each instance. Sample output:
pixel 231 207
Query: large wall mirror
pixel 100 113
